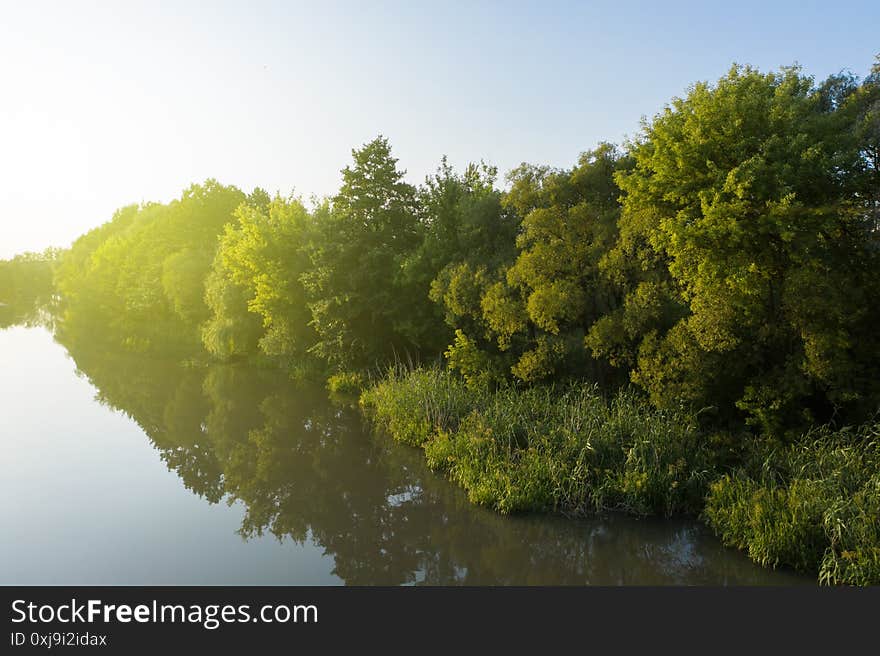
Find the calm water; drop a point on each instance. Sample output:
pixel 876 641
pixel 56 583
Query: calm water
pixel 126 470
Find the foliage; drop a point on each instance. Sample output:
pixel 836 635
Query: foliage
pixel 745 253
pixel 141 276
pixel 813 505
pixel 360 304
pixel 27 276
pixel 257 271
pixel 346 382
pixel 26 286
pixel 526 314
pixel 544 448
pixel 412 404
pixel 724 259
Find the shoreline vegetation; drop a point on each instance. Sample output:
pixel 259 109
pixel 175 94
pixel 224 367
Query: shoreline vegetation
pixel 684 324
pixel 810 504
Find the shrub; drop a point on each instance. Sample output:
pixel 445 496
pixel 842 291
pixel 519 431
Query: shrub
pixel 346 382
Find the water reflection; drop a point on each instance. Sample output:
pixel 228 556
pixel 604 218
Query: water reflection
pixel 29 314
pixel 306 469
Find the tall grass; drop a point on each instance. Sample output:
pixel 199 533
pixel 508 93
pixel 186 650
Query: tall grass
pixel 547 448
pixel 411 404
pixel 814 505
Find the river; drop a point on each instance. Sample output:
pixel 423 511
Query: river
pixel 120 469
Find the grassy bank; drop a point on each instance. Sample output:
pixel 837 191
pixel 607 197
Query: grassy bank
pixel 563 449
pixel 813 506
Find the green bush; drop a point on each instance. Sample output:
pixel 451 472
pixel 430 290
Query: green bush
pixel 346 382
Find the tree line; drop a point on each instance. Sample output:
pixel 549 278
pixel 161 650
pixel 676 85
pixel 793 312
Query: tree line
pixel 723 260
pixel 27 287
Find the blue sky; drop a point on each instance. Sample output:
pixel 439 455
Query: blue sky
pixel 105 104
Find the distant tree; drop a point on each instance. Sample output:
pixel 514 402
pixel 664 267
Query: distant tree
pixel 142 275
pixel 26 287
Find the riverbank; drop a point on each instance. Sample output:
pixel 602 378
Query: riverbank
pixel 811 505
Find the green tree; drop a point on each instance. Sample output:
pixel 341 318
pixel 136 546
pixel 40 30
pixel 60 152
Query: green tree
pixel 361 303
pixel 527 314
pixel 142 275
pixel 258 268
pixel 742 265
pixel 464 225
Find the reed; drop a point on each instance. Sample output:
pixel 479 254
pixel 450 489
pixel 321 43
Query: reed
pixel 813 505
pixel 547 448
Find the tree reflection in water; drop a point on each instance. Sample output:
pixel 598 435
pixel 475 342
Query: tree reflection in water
pixel 307 469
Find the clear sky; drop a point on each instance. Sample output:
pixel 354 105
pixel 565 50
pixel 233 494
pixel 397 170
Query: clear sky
pixel 106 104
